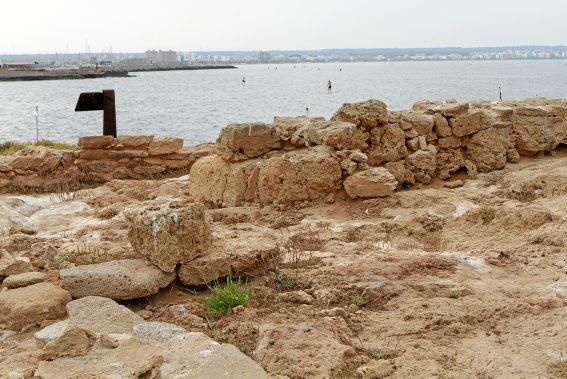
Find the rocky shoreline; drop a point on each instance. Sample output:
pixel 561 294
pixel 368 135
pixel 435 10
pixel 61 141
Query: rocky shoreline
pixel 428 242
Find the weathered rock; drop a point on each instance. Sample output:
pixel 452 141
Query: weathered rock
pixel 469 123
pixel 488 149
pixel 449 142
pixel 531 131
pixel 358 156
pixel 286 127
pixel 368 114
pixel 239 142
pixel 95 142
pixel 422 124
pixel 302 350
pixel 194 355
pixel 512 155
pixel 337 134
pixel 402 175
pixel 388 145
pixel 118 280
pixel 454 109
pixel 422 164
pixel 131 359
pixel 33 304
pixel 299 176
pixel 72 342
pixel 441 127
pixel 449 161
pixel 157 331
pixel 25 279
pixel 51 333
pixel 13 266
pixel 208 180
pixel 99 315
pixel 170 234
pixel 299 297
pixel 251 254
pixel 134 141
pixel 165 145
pixel 376 182
pixel 189 355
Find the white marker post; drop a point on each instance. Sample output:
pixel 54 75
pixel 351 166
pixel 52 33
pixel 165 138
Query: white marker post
pixel 36 124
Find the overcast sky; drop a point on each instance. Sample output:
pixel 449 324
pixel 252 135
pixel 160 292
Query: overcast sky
pixel 134 26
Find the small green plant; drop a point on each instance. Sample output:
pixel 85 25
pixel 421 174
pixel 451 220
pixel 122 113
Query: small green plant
pixel 224 298
pixel 361 301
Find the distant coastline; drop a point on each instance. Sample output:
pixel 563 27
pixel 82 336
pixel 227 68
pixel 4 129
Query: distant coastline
pixel 181 68
pixel 35 75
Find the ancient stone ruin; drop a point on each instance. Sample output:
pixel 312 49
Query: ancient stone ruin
pixel 370 151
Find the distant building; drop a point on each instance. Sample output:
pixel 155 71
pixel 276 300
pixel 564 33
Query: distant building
pixel 161 57
pixel 132 62
pixel 264 57
pixel 168 56
pixel 20 65
pixel 152 56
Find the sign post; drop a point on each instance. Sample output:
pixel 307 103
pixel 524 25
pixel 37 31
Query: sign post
pixel 100 101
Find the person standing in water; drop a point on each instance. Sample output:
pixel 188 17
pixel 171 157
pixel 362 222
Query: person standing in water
pixel 500 93
pixel 329 86
pixel 243 81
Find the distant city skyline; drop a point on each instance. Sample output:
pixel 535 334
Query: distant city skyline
pixel 67 26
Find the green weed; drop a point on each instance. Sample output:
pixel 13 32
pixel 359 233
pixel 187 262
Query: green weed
pixel 224 298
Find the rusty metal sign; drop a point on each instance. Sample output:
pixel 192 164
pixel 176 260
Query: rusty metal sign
pixel 100 101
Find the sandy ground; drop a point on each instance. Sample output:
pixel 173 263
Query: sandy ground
pixel 466 282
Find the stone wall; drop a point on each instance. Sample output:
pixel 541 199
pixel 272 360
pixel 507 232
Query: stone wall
pixel 99 159
pixel 298 159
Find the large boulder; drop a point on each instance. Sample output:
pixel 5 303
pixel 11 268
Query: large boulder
pixel 469 123
pixel 250 254
pixel 337 134
pixel 208 180
pixel 531 130
pixel 33 304
pixel 188 355
pixel 368 114
pixel 239 142
pixel 119 280
pixel 422 164
pixel 299 176
pixel 100 315
pixel 286 127
pixel 488 149
pixel 218 183
pixel 170 234
pixel 388 145
pixel 375 182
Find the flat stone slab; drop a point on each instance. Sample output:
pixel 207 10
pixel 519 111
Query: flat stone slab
pixel 33 304
pixel 24 280
pixel 119 280
pixel 101 315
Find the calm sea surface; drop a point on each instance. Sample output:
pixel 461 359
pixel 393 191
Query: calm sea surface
pixel 196 104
